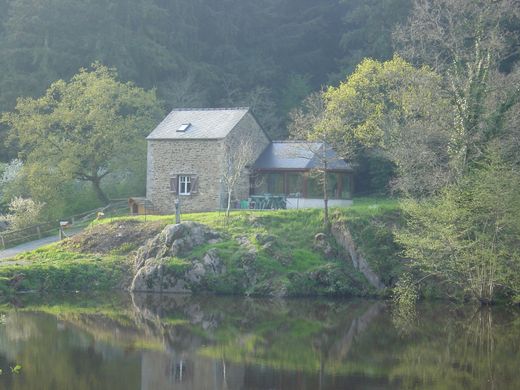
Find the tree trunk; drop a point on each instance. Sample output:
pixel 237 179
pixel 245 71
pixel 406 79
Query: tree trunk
pixel 228 210
pixel 325 199
pixel 96 184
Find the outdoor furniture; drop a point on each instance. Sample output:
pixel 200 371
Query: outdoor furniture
pixel 268 202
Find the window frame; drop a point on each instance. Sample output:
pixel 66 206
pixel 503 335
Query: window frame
pixel 186 182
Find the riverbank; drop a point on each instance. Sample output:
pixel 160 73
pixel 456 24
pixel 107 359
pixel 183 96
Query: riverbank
pixel 271 253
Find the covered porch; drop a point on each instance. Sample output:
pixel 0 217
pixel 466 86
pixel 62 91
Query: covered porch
pixel 301 189
pixel 295 170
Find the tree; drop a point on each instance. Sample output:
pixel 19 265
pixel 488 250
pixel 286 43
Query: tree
pixel 84 129
pixel 468 237
pixel 304 125
pixel 470 43
pixel 237 157
pixel 367 30
pixel 399 111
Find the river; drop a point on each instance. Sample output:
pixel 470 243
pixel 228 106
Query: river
pixel 153 342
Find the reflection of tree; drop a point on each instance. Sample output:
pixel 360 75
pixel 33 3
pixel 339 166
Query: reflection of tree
pixel 460 350
pixel 197 342
pixel 57 357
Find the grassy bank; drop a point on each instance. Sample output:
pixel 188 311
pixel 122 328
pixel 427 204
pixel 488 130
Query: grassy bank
pixel 372 223
pixel 286 261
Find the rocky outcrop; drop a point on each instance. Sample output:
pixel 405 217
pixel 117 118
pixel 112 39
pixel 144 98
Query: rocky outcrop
pixel 344 238
pixel 159 269
pixel 322 244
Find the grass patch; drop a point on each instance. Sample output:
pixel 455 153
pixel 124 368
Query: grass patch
pixel 53 268
pixel 264 252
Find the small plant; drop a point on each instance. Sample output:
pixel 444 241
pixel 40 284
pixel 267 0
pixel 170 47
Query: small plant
pixel 16 369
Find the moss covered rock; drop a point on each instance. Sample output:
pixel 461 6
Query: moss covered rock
pixel 158 269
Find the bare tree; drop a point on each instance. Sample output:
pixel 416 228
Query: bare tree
pixel 305 126
pixel 468 41
pixel 237 158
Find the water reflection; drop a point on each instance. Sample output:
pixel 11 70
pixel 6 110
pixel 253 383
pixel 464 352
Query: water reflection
pixel 181 342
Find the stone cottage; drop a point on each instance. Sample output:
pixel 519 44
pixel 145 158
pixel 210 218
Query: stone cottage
pixel 187 157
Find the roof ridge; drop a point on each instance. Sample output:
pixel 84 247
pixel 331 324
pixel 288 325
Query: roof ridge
pixel 211 109
pixel 293 141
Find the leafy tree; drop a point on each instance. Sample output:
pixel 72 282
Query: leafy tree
pixel 84 129
pixel 393 109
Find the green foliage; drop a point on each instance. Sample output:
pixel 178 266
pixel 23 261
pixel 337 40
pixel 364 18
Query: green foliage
pixel 296 90
pixel 468 236
pixel 376 99
pixel 394 114
pixel 84 130
pixel 473 45
pixel 367 30
pixel 196 53
pixel 373 175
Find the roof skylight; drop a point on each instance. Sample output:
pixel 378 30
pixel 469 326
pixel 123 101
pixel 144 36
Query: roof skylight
pixel 182 128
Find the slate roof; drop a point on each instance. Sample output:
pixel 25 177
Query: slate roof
pixel 205 123
pixel 286 155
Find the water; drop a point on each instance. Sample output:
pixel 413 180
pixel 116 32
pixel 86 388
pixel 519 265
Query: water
pixel 175 342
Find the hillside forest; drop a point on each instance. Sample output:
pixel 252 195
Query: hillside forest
pixel 423 96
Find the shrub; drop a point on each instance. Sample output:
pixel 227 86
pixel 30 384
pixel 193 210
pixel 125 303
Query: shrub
pixel 22 213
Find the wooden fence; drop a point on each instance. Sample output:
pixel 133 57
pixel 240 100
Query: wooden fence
pixel 10 238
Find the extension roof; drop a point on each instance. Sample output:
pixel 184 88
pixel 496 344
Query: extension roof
pixel 204 123
pixel 299 155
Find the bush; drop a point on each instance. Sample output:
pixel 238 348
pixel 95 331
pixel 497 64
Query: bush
pixel 22 213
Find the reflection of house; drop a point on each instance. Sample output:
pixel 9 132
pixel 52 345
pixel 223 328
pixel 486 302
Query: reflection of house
pixel 187 156
pixel 187 371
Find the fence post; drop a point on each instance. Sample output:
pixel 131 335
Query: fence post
pixel 2 240
pixel 39 231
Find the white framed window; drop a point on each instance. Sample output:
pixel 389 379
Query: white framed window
pixel 184 185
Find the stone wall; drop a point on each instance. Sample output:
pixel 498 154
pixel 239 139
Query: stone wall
pixel 177 157
pixel 201 157
pixel 248 129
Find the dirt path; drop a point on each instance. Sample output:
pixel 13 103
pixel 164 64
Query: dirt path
pixel 32 245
